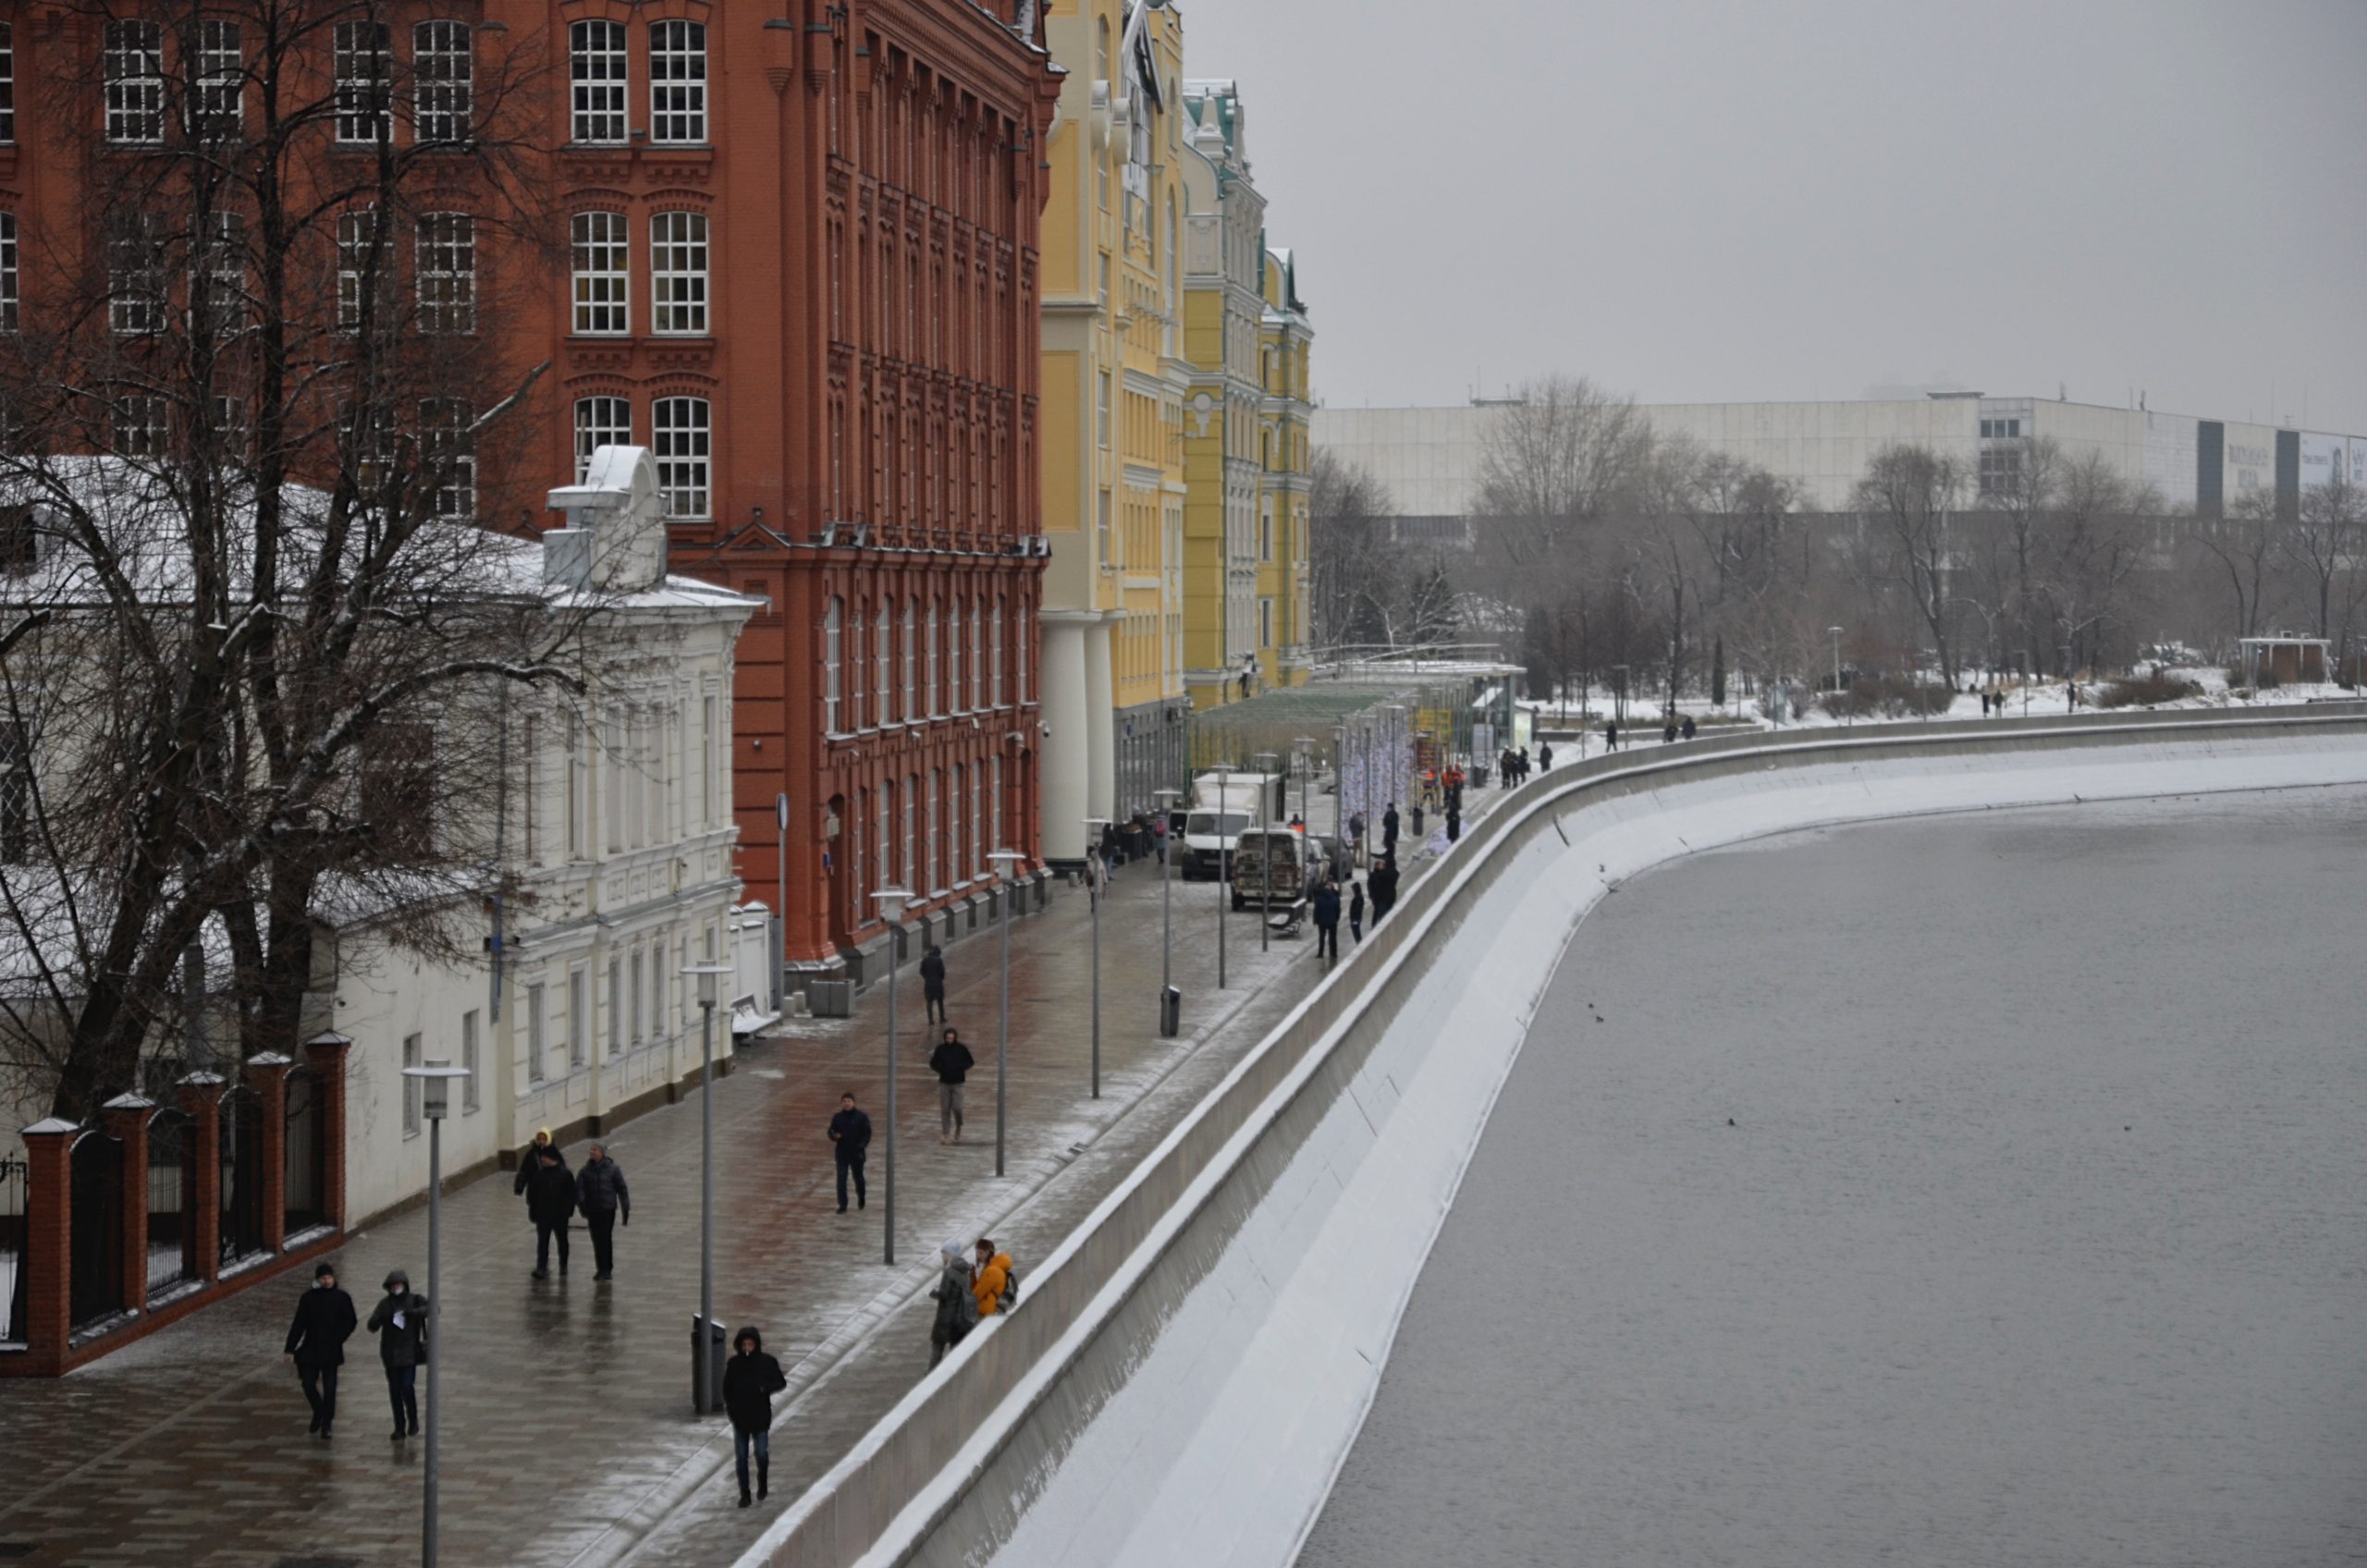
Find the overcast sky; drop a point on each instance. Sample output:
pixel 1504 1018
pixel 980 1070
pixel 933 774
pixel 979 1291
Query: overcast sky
pixel 1698 202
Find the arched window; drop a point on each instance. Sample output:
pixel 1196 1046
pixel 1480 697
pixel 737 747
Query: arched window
pixel 883 660
pixel 934 693
pixel 912 709
pixel 600 422
pixel 954 659
pixel 957 869
pixel 912 871
pixel 977 664
pixel 1102 49
pixel 856 684
pixel 995 662
pixel 833 631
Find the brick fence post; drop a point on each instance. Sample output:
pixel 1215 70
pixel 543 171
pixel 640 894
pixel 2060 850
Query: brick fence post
pixel 327 1055
pixel 49 1229
pixel 125 1117
pixel 201 1098
pixel 266 1074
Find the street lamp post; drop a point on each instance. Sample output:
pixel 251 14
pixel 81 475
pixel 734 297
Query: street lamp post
pixel 780 907
pixel 707 977
pixel 1266 761
pixel 1006 864
pixel 435 1086
pixel 1098 882
pixel 1166 799
pixel 1224 862
pixel 1848 719
pixel 892 902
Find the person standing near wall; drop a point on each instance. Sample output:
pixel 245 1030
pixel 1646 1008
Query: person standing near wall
pixel 933 984
pixel 324 1321
pixel 1389 828
pixel 750 1380
pixel 1327 921
pixel 1384 889
pixel 400 1322
pixel 1356 912
pixel 849 1140
pixel 957 1305
pixel 601 1194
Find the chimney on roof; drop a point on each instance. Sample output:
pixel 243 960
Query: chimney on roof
pixel 615 537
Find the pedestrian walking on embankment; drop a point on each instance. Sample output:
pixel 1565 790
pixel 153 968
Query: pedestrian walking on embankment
pixel 1389 828
pixel 601 1194
pixel 550 1198
pixel 1610 736
pixel 324 1321
pixel 849 1140
pixel 1384 889
pixel 1356 911
pixel 400 1322
pixel 933 984
pixel 750 1380
pixel 957 1306
pixel 951 1062
pixel 1545 757
pixel 530 1161
pixel 1327 921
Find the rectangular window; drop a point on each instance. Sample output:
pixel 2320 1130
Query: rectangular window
pixel 882 875
pixel 1018 649
pixel 16 745
pixel 657 992
pixel 215 103
pixel 911 790
pixel 681 444
pixel 600 422
pixel 677 81
pixel 640 997
pixel 364 113
pixel 218 274
pixel 934 692
pixel 616 1008
pixel 1265 623
pixel 579 788
pixel 448 446
pixel 471 1085
pixel 134 66
pixel 602 265
pixel 955 870
pixel 447 273
pixel 978 666
pixel 936 867
pixel 1101 411
pixel 833 635
pixel 597 76
pixel 678 272
pixel 7 271
pixel 141 424
pixel 579 1019
pixel 411 1088
pixel 361 267
pixel 538 1035
pixel 7 82
pixel 136 276
pixel 707 763
pixel 994 799
pixel 883 662
pixel 910 711
pixel 444 79
pixel 995 653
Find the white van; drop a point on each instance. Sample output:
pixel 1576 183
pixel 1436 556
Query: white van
pixel 1224 806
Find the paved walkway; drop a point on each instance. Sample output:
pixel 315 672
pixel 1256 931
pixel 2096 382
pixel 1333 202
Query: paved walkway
pixel 566 1429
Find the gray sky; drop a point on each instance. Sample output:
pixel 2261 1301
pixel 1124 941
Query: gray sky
pixel 1699 202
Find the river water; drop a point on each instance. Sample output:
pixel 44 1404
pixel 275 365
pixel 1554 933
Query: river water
pixel 2037 1234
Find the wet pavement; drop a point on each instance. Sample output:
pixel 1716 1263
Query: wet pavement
pixel 566 1432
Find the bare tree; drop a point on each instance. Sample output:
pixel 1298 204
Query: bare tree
pixel 254 637
pixel 1908 499
pixel 2242 546
pixel 2321 543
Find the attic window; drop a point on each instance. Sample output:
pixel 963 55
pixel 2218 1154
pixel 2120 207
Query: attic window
pixel 17 551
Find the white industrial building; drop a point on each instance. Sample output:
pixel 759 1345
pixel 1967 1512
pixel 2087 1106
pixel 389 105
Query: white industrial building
pixel 1429 458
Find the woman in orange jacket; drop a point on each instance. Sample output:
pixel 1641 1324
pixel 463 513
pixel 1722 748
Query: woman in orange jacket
pixel 991 1280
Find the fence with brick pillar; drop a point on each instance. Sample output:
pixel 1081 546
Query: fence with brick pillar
pixel 201 1098
pixel 266 1075
pixel 49 1215
pixel 126 1119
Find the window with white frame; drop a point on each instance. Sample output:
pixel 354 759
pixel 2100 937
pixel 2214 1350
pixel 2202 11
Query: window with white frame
pixel 936 867
pixel 1019 648
pixel 361 265
pixel 979 865
pixel 883 663
pixel 218 272
pixel 912 791
pixel 616 1008
pixel 677 273
pixel 602 265
pixel 136 275
pixel 994 799
pixel 133 66
pixel 218 91
pixel 881 873
pixel 364 113
pixel 471 1062
pixel 682 442
pixel 994 661
pixel 910 711
pixel 411 1057
pixel 953 658
pixel 956 868
pixel 7 271
pixel 857 679
pixel 597 71
pixel 447 273
pixel 657 1033
pixel 141 424
pixel 7 82
pixel 640 998
pixel 600 422
pixel 579 1019
pixel 933 694
pixel 537 1034
pixel 978 666
pixel 677 81
pixel 449 447
pixel 833 635
pixel 443 83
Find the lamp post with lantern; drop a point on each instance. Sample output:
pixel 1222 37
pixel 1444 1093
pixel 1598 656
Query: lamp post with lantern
pixel 707 977
pixel 1006 864
pixel 892 902
pixel 1098 883
pixel 435 1087
pixel 1166 799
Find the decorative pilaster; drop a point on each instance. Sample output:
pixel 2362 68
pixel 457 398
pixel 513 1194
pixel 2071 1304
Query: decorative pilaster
pixel 125 1117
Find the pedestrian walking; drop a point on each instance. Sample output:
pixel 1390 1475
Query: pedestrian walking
pixel 1357 830
pixel 1984 704
pixel 933 984
pixel 1159 836
pixel 1688 728
pixel 1610 736
pixel 957 1307
pixel 1327 920
pixel 1668 733
pixel 951 1062
pixel 530 1159
pixel 1356 911
pixel 1389 828
pixel 1417 819
pixel 601 1194
pixel 1453 823
pixel 750 1380
pixel 1524 765
pixel 550 1198
pixel 849 1140
pixel 1384 889
pixel 324 1321
pixel 400 1322
pixel 1545 757
pixel 994 1279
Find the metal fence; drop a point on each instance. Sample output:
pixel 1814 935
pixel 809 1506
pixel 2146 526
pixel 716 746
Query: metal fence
pixel 14 1174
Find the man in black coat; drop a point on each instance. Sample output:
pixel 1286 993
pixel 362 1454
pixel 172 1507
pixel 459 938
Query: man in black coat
pixel 400 1322
pixel 750 1380
pixel 951 1062
pixel 1327 920
pixel 324 1321
pixel 1383 882
pixel 601 1194
pixel 550 1198
pixel 1389 828
pixel 850 1137
pixel 933 983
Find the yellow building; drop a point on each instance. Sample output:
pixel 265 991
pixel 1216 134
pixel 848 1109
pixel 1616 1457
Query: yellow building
pixel 1284 456
pixel 1115 381
pixel 1224 255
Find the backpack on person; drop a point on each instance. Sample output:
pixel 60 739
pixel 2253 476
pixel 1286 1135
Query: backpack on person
pixel 1010 1297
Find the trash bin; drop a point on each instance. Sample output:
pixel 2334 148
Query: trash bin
pixel 1170 1010
pixel 716 1353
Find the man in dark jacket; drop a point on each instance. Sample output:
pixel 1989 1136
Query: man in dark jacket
pixel 1389 828
pixel 325 1319
pixel 1383 882
pixel 532 1160
pixel 933 984
pixel 850 1137
pixel 750 1380
pixel 550 1198
pixel 600 1192
pixel 951 1062
pixel 1327 920
pixel 400 1322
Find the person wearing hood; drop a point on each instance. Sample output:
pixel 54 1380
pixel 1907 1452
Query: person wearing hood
pixel 951 1062
pixel 750 1380
pixel 532 1157
pixel 400 1322
pixel 601 1194
pixel 324 1321
pixel 957 1306
pixel 994 1280
pixel 1383 882
pixel 550 1198
pixel 933 983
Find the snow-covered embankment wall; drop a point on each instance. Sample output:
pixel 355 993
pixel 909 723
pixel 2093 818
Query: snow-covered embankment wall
pixel 1190 1369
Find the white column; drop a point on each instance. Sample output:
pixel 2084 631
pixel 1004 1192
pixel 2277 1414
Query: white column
pixel 1101 707
pixel 1066 758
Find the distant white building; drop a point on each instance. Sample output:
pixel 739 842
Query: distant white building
pixel 1429 458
